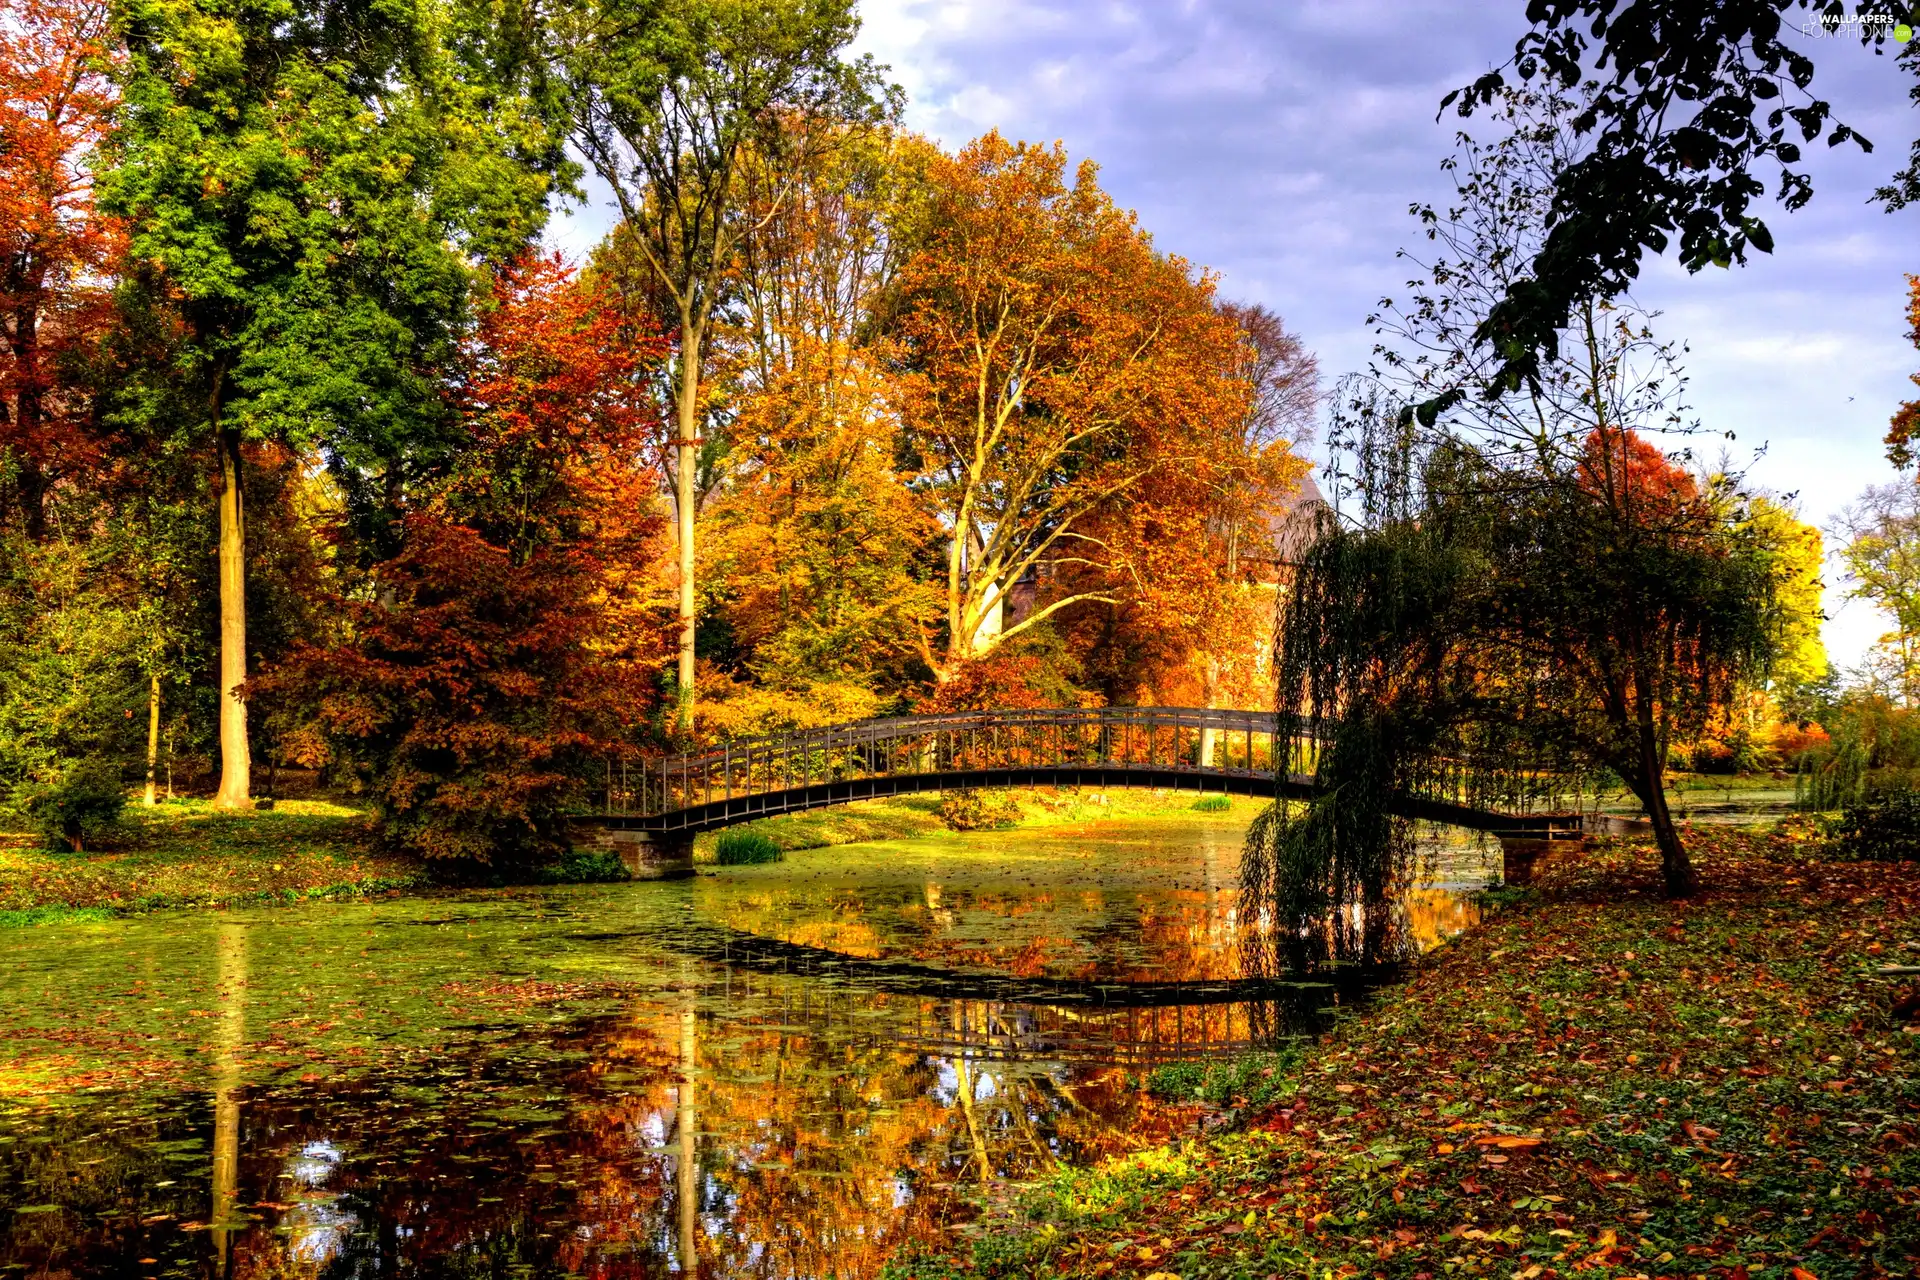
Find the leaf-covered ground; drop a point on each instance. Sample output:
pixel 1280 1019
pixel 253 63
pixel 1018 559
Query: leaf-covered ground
pixel 183 853
pixel 1595 1083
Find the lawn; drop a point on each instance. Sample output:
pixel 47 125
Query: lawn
pixel 902 817
pixel 1596 1082
pixel 183 853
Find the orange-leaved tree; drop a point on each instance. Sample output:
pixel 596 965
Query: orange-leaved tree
pixel 511 647
pixel 1196 627
pixel 1053 364
pixel 1650 599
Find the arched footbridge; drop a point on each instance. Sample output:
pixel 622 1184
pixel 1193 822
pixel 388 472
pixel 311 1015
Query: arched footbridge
pixel 650 810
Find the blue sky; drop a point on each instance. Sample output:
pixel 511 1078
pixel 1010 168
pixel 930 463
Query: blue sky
pixel 1280 144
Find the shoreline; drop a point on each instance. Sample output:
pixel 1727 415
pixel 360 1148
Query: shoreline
pixel 181 855
pixel 1592 1081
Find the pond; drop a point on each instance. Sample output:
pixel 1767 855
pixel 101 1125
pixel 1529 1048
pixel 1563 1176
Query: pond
pixel 785 1070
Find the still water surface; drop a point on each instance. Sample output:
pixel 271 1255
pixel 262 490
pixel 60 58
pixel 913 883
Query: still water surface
pixel 774 1071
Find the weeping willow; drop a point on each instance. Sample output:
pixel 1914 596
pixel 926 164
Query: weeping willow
pixel 1490 633
pixel 1384 662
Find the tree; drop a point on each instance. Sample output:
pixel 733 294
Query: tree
pixel 303 190
pixel 818 582
pixel 1053 364
pixel 56 248
pixel 1881 552
pixel 505 653
pixel 1800 657
pixel 1526 587
pixel 1906 419
pixel 1193 624
pixel 666 102
pixel 1692 99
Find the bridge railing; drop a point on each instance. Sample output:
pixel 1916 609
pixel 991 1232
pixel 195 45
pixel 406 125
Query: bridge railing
pixel 1179 739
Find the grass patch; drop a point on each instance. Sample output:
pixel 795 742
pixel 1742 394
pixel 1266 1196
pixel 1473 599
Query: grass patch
pixel 185 854
pixel 1212 804
pixel 30 916
pixel 745 849
pixel 1250 1080
pixel 903 817
pixel 891 819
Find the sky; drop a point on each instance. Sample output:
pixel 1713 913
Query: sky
pixel 1280 145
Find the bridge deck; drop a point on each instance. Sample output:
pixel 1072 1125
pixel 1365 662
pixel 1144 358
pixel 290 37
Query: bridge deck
pixel 1168 748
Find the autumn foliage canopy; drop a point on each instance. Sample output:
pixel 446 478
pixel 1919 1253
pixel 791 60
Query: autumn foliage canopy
pixel 506 650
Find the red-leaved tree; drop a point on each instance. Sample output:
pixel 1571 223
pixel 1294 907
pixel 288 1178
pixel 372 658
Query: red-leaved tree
pixel 509 648
pixel 56 100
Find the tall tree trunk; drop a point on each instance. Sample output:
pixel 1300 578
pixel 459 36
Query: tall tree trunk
pixel 236 763
pixel 30 481
pixel 685 454
pixel 153 737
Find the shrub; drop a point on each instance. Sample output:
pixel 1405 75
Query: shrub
pixel 78 799
pixel 1251 1080
pixel 1882 826
pixel 979 810
pixel 583 866
pixel 1211 804
pixel 745 849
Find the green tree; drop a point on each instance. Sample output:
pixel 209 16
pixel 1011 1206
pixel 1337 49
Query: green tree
pixel 1881 552
pixel 666 103
pixel 1693 103
pixel 305 188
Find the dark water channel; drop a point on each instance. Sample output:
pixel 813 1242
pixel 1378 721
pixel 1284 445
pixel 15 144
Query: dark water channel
pixel 772 1071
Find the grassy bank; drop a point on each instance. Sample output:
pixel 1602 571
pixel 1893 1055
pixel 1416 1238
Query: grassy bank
pixel 183 853
pixel 1594 1082
pixel 902 817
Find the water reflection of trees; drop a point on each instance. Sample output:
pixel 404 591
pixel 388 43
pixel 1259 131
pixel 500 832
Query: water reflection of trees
pixel 738 1121
pixel 823 1143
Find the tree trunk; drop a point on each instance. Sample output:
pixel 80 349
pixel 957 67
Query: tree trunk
pixel 685 451
pixel 1650 787
pixel 153 737
pixel 235 761
pixel 1209 736
pixel 30 481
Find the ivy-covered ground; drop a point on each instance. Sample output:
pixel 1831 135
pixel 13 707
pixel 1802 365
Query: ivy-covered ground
pixel 1594 1083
